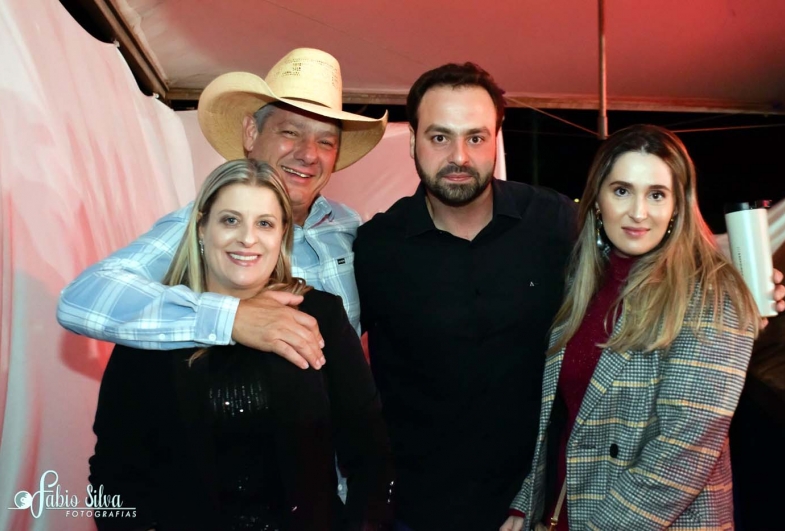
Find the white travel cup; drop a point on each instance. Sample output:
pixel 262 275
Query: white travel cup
pixel 750 249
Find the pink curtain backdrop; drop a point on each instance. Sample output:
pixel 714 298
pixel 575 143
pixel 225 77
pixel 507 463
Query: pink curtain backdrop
pixel 87 163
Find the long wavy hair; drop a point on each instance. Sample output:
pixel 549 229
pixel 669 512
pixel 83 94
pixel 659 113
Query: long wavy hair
pixel 655 301
pixel 188 267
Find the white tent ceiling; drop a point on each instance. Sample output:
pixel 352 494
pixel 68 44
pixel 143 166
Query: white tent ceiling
pixel 666 54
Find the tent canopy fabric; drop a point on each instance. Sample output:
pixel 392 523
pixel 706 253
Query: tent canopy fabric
pixel 661 55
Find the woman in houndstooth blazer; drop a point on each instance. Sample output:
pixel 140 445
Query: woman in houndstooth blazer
pixel 647 356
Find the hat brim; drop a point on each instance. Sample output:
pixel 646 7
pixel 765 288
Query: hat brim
pixel 229 98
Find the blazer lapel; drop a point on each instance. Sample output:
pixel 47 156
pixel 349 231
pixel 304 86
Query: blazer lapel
pixel 550 380
pixel 550 377
pixel 611 363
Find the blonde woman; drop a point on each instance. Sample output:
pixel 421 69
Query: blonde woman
pixel 647 357
pixel 229 437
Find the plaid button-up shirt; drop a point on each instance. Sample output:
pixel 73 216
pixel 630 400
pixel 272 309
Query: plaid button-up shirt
pixel 121 299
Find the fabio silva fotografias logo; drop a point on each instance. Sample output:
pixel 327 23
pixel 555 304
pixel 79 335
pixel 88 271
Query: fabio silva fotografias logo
pixel 50 496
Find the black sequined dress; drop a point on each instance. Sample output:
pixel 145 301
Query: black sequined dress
pixel 244 440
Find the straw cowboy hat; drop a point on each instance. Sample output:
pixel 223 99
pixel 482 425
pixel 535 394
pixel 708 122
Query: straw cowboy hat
pixel 305 78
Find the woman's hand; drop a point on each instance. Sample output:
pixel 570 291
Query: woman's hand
pixel 513 523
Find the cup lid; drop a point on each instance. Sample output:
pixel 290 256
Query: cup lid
pixel 751 205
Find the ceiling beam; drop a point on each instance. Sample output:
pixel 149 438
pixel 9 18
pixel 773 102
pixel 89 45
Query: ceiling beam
pixel 104 14
pixel 582 102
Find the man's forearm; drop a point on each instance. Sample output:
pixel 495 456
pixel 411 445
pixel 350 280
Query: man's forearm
pixel 121 298
pixel 115 305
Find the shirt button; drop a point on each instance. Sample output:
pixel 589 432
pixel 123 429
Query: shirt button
pixel 340 488
pixel 211 337
pixel 162 337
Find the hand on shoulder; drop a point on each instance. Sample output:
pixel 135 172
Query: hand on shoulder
pixel 270 322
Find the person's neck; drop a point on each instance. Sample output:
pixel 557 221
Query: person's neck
pixel 299 215
pixel 462 221
pixel 620 264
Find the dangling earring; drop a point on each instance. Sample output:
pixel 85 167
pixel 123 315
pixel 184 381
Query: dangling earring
pixel 670 226
pixel 598 224
pixel 201 247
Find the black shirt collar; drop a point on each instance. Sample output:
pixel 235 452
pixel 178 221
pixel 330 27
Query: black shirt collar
pixel 418 219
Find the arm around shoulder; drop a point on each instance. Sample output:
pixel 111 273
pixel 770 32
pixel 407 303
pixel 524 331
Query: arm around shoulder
pixel 121 298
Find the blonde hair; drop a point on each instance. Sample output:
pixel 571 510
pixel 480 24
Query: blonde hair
pixel 188 266
pixel 655 301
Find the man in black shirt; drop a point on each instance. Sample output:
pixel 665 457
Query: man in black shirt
pixel 458 286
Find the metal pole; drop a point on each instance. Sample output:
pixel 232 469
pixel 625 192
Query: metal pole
pixel 602 119
pixel 535 149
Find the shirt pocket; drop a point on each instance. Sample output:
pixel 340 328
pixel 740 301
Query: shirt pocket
pixel 338 278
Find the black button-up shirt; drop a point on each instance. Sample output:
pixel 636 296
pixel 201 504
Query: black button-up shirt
pixel 457 336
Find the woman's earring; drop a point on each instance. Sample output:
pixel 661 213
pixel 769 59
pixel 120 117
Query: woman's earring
pixel 201 247
pixel 598 224
pixel 670 226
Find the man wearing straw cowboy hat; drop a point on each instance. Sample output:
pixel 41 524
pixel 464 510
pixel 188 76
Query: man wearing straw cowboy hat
pixel 293 120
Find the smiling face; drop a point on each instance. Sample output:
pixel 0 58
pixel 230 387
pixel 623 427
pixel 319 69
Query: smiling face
pixel 302 146
pixel 242 238
pixel 636 203
pixel 454 147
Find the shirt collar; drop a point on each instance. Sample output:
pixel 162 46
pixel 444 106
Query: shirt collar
pixel 504 201
pixel 320 209
pixel 419 219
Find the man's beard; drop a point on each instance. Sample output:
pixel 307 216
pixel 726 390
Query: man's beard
pixel 454 194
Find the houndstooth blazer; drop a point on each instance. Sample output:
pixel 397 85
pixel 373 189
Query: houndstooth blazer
pixel 664 416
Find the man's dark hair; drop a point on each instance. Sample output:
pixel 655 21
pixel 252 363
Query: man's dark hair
pixel 455 76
